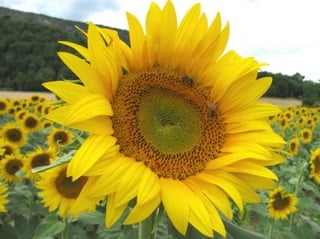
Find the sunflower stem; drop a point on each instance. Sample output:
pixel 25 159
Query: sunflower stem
pixel 270 233
pixel 146 227
pixel 65 233
pixel 296 191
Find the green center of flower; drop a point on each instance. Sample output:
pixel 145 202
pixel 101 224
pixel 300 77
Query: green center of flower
pixel 68 188
pixel 165 119
pixel 170 123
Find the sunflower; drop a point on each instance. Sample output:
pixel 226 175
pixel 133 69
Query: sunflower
pixel 172 121
pixel 9 166
pixel 31 122
pixel 13 133
pixel 293 146
pixel 281 204
pixel 59 137
pixel 59 192
pixel 38 158
pixel 7 148
pixel 3 197
pixel 4 105
pixel 306 135
pixel 315 165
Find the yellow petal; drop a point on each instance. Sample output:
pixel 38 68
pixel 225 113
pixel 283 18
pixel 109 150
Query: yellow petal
pixel 113 213
pixel 85 72
pixel 88 107
pixel 149 187
pixel 216 195
pixel 251 168
pixel 80 49
pixel 109 182
pixel 168 29
pixel 69 92
pixel 256 182
pixel 130 181
pixel 225 185
pixel 96 125
pixel 90 151
pixel 137 39
pixel 142 211
pixel 175 196
pixel 202 211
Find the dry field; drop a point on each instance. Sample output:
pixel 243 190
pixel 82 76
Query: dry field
pixel 25 95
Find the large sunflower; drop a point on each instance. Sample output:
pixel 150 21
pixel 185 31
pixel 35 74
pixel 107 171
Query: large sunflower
pixel 172 120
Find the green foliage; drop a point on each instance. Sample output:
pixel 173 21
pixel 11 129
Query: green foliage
pixel 29 46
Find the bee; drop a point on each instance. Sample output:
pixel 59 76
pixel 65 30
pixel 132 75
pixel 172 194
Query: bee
pixel 187 80
pixel 212 107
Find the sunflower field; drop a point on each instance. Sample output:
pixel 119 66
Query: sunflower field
pixel 162 138
pixel 36 197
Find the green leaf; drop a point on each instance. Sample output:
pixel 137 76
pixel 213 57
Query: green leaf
pixel 237 232
pixel 7 231
pixel 49 226
pixel 95 217
pixel 25 227
pixel 62 160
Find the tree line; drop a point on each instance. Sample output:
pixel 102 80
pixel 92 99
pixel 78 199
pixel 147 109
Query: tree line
pixel 29 57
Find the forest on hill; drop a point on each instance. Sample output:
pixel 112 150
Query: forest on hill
pixel 29 46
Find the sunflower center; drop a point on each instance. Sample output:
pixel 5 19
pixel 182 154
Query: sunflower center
pixel 13 166
pixel 68 188
pixel 60 137
pixel 3 106
pixel 31 122
pixel 280 202
pixel 40 160
pixel 14 135
pixel 165 119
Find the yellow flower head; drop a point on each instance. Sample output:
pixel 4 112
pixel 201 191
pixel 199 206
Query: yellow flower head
pixel 3 197
pixel 306 135
pixel 31 122
pixel 293 146
pixel 4 106
pixel 40 157
pixel 315 165
pixel 59 137
pixel 13 133
pixel 7 148
pixel 281 204
pixel 172 121
pixel 9 167
pixel 60 192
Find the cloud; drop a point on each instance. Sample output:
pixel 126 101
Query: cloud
pixel 68 9
pixel 283 33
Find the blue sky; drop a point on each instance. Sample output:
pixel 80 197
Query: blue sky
pixel 283 33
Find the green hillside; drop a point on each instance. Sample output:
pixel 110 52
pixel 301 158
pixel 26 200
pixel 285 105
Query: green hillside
pixel 29 47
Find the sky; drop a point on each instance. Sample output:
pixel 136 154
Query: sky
pixel 283 33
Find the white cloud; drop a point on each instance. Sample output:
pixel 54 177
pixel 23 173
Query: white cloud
pixel 283 33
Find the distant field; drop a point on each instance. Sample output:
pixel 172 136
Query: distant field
pixel 26 95
pixel 284 102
